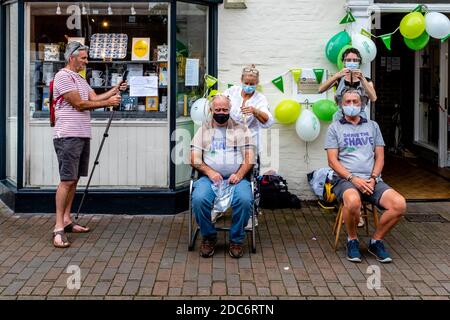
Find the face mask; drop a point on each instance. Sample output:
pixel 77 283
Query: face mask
pixel 221 118
pixel 351 110
pixel 248 89
pixel 352 65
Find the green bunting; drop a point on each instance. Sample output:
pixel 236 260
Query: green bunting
pixel 296 73
pixel 387 40
pixel 278 82
pixel 319 74
pixel 210 80
pixel 349 18
pixel 230 85
pixel 419 8
pixel 366 33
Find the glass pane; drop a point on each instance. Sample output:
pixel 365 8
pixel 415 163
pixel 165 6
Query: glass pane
pixel 12 40
pixel 429 60
pixel 192 65
pixel 124 39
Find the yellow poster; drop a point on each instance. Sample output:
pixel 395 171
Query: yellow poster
pixel 141 49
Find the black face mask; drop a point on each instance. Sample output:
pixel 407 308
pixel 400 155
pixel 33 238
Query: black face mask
pixel 221 118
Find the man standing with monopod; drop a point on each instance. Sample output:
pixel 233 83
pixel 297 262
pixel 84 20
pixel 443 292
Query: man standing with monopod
pixel 72 133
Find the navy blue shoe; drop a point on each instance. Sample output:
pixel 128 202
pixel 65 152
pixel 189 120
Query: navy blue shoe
pixel 353 253
pixel 378 250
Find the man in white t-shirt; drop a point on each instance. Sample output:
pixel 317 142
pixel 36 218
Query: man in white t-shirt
pixel 222 150
pixel 72 133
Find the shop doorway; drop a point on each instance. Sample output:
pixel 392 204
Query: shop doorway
pixel 412 111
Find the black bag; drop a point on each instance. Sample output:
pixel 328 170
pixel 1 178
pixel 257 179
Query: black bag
pixel 274 193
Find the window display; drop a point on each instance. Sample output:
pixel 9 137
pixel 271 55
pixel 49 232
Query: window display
pixel 121 42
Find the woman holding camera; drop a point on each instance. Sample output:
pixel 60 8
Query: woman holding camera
pixel 351 76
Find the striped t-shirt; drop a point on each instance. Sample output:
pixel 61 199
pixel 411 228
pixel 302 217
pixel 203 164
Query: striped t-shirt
pixel 69 121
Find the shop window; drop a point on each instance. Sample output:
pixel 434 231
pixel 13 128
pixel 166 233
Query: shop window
pixel 192 62
pixel 122 37
pixel 12 51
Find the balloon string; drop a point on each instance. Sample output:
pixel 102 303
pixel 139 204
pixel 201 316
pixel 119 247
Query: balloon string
pixel 306 157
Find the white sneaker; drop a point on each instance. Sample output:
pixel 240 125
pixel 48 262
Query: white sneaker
pixel 250 225
pixel 361 222
pixel 216 215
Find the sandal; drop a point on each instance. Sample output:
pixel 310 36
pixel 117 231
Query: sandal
pixel 71 228
pixel 65 243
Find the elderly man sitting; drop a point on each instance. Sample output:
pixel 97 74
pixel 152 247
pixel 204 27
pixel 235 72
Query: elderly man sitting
pixel 355 150
pixel 222 149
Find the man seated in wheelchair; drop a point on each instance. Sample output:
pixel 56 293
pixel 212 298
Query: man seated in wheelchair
pixel 355 150
pixel 222 150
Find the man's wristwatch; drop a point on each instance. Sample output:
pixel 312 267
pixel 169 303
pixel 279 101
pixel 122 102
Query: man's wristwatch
pixel 350 177
pixel 375 178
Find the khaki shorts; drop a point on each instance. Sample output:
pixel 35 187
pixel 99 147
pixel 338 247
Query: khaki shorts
pixel 73 157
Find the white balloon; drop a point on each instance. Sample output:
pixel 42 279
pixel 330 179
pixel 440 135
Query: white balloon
pixel 437 25
pixel 307 126
pixel 199 111
pixel 365 46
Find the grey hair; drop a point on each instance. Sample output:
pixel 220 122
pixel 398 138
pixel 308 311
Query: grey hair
pixel 349 90
pixel 73 49
pixel 216 97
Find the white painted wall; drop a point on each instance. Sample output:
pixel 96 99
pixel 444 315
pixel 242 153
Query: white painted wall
pixel 277 36
pixel 134 155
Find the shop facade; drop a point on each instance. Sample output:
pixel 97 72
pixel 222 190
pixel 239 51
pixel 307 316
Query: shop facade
pixel 151 41
pixel 137 173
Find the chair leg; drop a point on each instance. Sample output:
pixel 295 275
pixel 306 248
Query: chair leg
pixel 338 227
pixel 366 218
pixel 336 220
pixel 375 216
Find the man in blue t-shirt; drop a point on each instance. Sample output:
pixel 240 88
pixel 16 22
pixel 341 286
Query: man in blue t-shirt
pixel 355 150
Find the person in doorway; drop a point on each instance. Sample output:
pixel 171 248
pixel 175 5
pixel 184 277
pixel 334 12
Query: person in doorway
pixel 355 150
pixel 222 150
pixel 72 133
pixel 350 77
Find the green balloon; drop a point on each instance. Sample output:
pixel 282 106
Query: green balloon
pixel 287 111
pixel 418 43
pixel 340 63
pixel 335 45
pixel 325 109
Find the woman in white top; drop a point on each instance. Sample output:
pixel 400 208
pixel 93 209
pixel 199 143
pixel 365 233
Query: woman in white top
pixel 248 106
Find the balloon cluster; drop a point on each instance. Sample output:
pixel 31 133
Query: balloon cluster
pixel 307 124
pixel 417 29
pixel 342 41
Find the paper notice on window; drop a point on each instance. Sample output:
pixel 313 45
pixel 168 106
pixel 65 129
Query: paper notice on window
pixel 192 72
pixel 145 86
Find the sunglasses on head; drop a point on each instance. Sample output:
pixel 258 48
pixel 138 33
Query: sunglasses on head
pixel 78 46
pixel 252 71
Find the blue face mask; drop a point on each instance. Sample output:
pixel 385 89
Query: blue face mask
pixel 352 65
pixel 248 89
pixel 351 110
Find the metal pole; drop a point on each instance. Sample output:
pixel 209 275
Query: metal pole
pixel 96 162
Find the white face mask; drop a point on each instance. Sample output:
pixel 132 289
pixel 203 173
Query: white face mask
pixel 351 110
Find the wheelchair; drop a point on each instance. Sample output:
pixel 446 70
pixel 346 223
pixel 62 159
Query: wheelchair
pixel 194 229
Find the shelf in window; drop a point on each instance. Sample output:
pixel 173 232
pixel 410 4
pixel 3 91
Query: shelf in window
pixel 125 62
pixel 113 61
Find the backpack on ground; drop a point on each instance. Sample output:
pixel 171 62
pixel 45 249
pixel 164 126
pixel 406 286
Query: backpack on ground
pixel 274 193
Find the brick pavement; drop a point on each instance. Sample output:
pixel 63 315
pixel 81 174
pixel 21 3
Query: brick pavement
pixel 146 257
